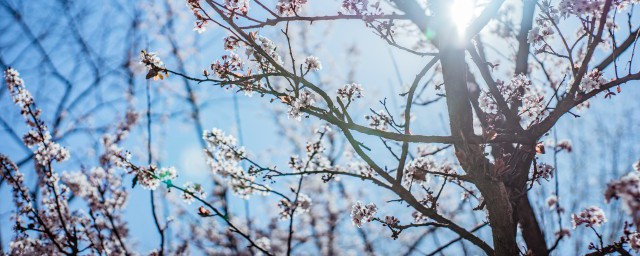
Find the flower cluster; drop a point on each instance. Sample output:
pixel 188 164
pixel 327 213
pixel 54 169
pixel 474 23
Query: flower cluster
pixel 486 101
pixel 362 213
pixel 355 165
pixel 47 150
pixel 241 6
pixel 269 47
pixel 580 7
pixel 53 214
pixel 539 34
pixel 542 171
pixel 519 89
pixel 350 92
pixel 592 81
pixel 379 121
pixel 533 104
pixel 289 7
pixel 230 64
pixel 545 22
pixel 264 243
pixel 151 60
pixel 301 205
pixel 201 21
pixel 590 217
pixel 231 67
pixel 231 43
pixel 110 141
pixel 21 195
pixel 418 217
pixel 304 99
pixel 355 6
pixel 312 63
pixel 101 189
pixel 14 81
pixel 417 169
pixel 391 220
pixel 191 191
pixel 151 177
pixel 628 190
pixel 315 159
pixel 224 157
pixel 154 65
pixel 114 154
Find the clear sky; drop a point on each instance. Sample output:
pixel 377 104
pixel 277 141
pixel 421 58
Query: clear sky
pixel 606 132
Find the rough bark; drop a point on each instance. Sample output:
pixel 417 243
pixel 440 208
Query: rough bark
pixel 531 232
pixel 501 217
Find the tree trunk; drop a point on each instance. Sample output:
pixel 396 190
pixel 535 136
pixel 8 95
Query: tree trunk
pixel 531 231
pixel 497 194
pixel 501 218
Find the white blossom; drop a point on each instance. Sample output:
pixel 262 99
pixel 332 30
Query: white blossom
pixel 305 99
pixel 191 191
pixel 590 217
pixel 543 30
pixel 147 179
pixel 391 220
pixel 224 157
pixel 264 242
pixel 301 205
pixel 580 7
pixel 592 81
pixel 269 47
pixel 312 63
pixel 151 60
pixel 289 7
pixel 167 173
pixel 240 5
pixel 231 43
pixel 519 89
pixel 350 92
pixel 201 20
pixel 626 189
pixel 355 6
pixel 362 213
pixel 544 171
pixel 379 121
pixel 417 170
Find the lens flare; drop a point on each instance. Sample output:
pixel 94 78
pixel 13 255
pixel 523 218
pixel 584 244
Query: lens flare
pixel 462 12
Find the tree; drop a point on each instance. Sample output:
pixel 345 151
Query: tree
pixel 499 108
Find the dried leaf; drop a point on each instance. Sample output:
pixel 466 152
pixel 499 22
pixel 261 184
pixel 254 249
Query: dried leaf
pixel 152 73
pixel 285 99
pixel 204 212
pixel 540 148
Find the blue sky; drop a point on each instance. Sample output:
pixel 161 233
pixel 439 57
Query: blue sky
pixel 177 143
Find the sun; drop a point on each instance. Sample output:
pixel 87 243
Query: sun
pixel 461 13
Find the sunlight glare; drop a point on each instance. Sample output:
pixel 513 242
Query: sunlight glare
pixel 462 12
